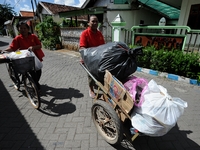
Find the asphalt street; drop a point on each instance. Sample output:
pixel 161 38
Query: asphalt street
pixel 64 121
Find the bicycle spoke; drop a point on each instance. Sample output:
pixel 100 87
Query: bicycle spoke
pixel 31 91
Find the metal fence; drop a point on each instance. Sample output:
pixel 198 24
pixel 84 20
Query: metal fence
pixel 168 37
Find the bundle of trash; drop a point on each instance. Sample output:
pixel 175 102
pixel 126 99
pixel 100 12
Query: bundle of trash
pixel 22 54
pixel 155 112
pixel 116 57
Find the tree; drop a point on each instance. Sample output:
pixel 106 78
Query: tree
pixel 6 13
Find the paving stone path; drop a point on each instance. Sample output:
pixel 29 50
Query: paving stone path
pixel 64 120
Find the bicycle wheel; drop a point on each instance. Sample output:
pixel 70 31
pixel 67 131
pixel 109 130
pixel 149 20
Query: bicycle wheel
pixel 31 91
pixel 13 76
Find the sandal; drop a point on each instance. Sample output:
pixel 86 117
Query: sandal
pixel 91 94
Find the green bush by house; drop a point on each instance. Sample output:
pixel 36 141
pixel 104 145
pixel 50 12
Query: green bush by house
pixel 49 33
pixel 173 61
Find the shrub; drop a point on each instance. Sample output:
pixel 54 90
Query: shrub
pixel 174 61
pixel 48 32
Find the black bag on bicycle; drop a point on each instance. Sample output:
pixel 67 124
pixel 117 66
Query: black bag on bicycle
pixel 115 57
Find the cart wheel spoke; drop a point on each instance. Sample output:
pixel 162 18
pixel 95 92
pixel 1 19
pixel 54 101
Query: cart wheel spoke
pixel 107 122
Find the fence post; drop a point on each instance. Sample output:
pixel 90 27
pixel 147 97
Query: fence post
pixel 118 24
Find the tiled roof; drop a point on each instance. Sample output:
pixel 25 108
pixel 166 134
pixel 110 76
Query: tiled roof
pixel 55 8
pixel 26 14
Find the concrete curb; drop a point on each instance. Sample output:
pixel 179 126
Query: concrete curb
pixel 169 76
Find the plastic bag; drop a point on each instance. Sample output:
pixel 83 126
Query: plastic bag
pixel 113 56
pixel 18 54
pixel 23 54
pixel 38 63
pixel 158 113
pixel 136 87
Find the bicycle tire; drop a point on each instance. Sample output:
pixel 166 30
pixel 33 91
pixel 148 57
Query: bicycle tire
pixel 31 91
pixel 13 76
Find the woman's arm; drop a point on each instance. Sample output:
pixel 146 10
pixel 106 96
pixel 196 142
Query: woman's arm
pixel 8 49
pixel 37 45
pixel 32 48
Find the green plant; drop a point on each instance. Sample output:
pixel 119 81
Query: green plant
pixel 48 32
pixel 174 61
pixel 11 32
pixel 68 23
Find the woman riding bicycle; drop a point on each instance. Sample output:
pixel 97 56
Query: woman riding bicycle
pixel 25 40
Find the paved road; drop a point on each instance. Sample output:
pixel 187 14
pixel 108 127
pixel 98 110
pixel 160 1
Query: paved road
pixel 64 121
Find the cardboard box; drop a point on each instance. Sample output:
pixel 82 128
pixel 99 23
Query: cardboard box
pixel 117 92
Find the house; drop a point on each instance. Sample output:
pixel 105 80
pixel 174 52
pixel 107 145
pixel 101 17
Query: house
pixel 179 12
pixel 141 12
pixel 26 13
pixel 187 13
pixel 11 29
pixel 49 9
pixel 133 13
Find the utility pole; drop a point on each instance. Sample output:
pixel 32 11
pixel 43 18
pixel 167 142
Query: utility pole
pixel 33 16
pixel 32 7
pixel 37 14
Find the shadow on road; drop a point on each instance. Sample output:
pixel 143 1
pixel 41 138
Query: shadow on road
pixel 14 129
pixel 178 138
pixel 56 106
pixel 3 43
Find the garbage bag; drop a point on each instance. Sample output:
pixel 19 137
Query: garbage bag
pixel 136 88
pixel 23 54
pixel 159 111
pixel 113 56
pixel 38 63
pixel 18 54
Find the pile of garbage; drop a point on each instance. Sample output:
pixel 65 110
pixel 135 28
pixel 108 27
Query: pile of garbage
pixel 19 54
pixel 155 112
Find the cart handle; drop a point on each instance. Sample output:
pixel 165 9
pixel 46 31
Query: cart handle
pixel 97 82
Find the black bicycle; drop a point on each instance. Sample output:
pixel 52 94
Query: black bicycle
pixel 19 72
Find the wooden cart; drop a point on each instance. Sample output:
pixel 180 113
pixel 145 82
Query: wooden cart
pixel 111 109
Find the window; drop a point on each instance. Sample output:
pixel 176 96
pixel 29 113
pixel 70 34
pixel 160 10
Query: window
pixel 194 17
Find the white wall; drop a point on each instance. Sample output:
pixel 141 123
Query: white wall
pixel 130 14
pixel 132 18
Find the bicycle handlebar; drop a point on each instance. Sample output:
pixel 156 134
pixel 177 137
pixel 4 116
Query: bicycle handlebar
pixel 3 51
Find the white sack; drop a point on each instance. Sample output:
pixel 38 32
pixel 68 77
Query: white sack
pixel 18 54
pixel 38 63
pixel 23 54
pixel 159 112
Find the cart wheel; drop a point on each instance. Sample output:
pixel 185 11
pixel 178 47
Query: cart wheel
pixel 107 122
